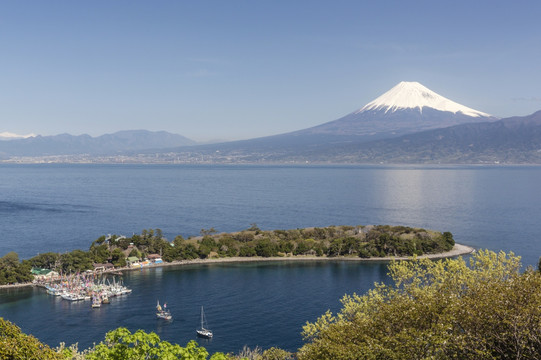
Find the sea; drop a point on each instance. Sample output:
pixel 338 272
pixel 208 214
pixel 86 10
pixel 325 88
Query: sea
pixel 62 207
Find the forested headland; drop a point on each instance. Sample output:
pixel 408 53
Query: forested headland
pixel 333 241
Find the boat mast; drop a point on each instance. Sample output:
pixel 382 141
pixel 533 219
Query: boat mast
pixel 202 327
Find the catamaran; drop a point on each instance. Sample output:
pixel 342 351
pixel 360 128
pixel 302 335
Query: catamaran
pixel 203 332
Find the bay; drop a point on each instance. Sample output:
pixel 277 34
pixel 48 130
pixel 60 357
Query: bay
pixel 53 207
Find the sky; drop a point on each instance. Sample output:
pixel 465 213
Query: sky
pixel 229 70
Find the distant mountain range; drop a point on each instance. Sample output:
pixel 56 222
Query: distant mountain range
pixel 65 144
pixel 407 124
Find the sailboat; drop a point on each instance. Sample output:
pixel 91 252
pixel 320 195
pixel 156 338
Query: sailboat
pixel 163 313
pixel 202 331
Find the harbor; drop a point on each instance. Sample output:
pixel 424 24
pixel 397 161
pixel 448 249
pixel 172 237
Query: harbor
pixel 98 287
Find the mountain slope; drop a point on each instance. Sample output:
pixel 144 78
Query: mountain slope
pixel 515 140
pixel 510 140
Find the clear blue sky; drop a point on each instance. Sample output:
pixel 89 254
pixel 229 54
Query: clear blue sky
pixel 241 69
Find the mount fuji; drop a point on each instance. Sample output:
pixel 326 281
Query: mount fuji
pixel 407 108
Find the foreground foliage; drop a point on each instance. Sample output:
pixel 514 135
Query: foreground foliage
pixel 437 310
pixel 15 345
pixel 121 344
pixel 444 309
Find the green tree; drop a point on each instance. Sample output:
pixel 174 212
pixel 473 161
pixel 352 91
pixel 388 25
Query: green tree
pixel 121 344
pixel 204 251
pixel 208 241
pixel 46 260
pixel 437 310
pixel 11 259
pixel 100 253
pixel 302 248
pixel 247 250
pixel 335 248
pixel 76 261
pixel 178 241
pixel 117 258
pixel 189 252
pixel 135 252
pixel 264 247
pixel 11 271
pixel 15 345
pixel 449 242
pixel 286 246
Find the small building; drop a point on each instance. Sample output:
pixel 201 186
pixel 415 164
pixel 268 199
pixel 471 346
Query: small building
pixel 133 261
pixel 43 274
pixel 103 267
pixel 155 258
pixel 145 263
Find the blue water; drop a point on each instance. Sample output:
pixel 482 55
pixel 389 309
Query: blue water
pixel 64 207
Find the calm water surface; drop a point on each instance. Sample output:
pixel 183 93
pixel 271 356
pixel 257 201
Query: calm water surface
pixel 64 207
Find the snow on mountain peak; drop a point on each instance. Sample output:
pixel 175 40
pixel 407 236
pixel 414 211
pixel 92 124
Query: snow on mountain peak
pixel 411 95
pixel 10 136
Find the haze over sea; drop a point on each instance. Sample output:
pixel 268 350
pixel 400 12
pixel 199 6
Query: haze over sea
pixel 52 207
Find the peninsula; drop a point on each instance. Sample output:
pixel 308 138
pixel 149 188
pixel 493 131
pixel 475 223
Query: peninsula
pixel 150 248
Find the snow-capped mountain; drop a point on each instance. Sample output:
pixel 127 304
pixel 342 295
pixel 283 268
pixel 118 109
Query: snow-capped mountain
pixel 406 108
pixel 11 136
pixel 413 95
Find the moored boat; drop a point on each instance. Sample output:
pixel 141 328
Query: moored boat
pixel 96 301
pixel 105 299
pixel 202 331
pixel 82 287
pixel 163 312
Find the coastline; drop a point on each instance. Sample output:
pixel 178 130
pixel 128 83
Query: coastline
pixel 457 250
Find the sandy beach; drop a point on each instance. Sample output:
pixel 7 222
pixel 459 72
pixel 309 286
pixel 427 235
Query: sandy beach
pixel 457 250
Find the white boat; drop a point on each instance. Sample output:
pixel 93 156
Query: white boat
pixel 202 331
pixel 104 298
pixel 72 296
pixel 96 301
pixel 163 313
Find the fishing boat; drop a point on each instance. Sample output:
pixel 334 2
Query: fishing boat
pixel 162 312
pixel 96 301
pixel 202 331
pixel 105 299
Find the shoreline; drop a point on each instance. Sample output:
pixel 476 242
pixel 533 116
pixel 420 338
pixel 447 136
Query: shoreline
pixel 457 250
